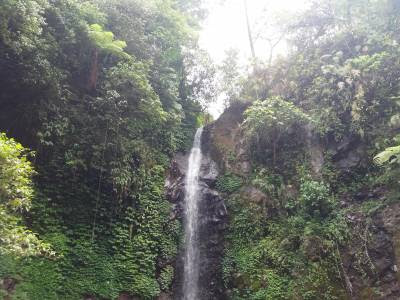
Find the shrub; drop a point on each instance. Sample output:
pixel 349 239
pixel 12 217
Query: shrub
pixel 16 192
pixel 315 199
pixel 229 183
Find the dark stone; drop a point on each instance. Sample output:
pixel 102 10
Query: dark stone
pixel 164 296
pixel 382 266
pixel 347 153
pixel 208 171
pixel 8 284
pixel 378 259
pixel 127 296
pixel 315 150
pixel 223 141
pixel 212 224
pixel 245 167
pixel 313 248
pixel 351 160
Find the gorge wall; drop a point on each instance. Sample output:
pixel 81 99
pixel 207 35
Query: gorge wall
pixel 212 223
pixel 252 250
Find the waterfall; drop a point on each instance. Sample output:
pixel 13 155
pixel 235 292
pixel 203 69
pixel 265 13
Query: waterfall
pixel 191 258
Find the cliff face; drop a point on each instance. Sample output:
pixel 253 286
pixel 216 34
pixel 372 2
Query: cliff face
pixel 212 223
pixel 224 141
pixel 366 261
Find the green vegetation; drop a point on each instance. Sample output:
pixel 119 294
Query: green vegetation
pixel 229 183
pixel 390 154
pixel 330 107
pixel 268 121
pixel 294 254
pixel 16 192
pixel 104 92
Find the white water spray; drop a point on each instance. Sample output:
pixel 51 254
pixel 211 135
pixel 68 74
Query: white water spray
pixel 191 259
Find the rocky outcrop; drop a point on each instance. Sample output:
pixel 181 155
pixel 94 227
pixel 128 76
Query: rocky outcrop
pixel 347 153
pixel 368 263
pixel 213 221
pixel 7 285
pixel 225 143
pixel 370 260
pixel 315 150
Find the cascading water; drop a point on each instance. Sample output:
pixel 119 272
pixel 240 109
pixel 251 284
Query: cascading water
pixel 192 255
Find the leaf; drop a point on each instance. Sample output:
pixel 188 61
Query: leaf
pixel 387 155
pixel 105 41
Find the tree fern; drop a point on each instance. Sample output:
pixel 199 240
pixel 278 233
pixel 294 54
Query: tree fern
pixel 390 154
pixel 105 41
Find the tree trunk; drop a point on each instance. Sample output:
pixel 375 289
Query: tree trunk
pixel 93 71
pixel 253 53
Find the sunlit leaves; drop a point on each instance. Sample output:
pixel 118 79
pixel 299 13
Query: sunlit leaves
pixel 272 117
pixel 102 147
pixel 391 154
pixel 16 192
pixel 15 175
pixel 26 17
pixel 105 41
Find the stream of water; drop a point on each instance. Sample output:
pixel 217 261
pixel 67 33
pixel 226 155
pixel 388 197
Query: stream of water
pixel 191 258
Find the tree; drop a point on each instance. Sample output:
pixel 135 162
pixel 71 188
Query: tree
pixel 249 31
pixel 102 143
pixel 267 121
pixel 16 192
pixel 201 77
pixel 103 41
pixel 230 77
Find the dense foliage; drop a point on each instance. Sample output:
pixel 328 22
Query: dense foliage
pixel 104 92
pixel 268 122
pixel 312 156
pixel 16 194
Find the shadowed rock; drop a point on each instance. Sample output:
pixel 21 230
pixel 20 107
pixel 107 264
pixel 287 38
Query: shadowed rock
pixel 212 223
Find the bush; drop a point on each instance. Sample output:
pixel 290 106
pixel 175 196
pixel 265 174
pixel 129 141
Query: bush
pixel 315 199
pixel 229 183
pixel 16 192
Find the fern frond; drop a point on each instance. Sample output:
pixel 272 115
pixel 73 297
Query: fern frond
pixel 387 155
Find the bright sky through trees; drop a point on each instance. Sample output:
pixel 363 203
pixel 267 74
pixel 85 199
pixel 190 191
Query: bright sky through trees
pixel 225 28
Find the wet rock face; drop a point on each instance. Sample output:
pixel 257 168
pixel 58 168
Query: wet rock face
pixel 7 286
pixel 371 260
pixel 212 223
pixel 346 154
pixel 225 143
pixel 391 222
